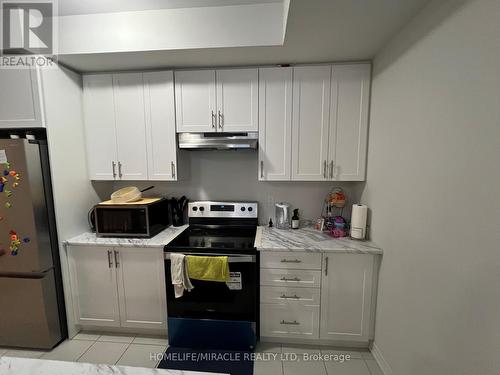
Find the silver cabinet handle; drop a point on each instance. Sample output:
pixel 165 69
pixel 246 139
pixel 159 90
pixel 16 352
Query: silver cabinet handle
pixel 331 169
pixel 172 166
pixel 326 266
pixel 117 262
pixel 220 120
pixel 295 323
pixel 262 169
pixel 213 120
pixel 324 169
pixel 114 171
pixel 110 261
pixel 120 170
pixel 290 297
pixel 292 279
pixel 291 261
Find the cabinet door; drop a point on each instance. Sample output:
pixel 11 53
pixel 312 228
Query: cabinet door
pixel 195 101
pixel 275 123
pixel 141 287
pixel 349 121
pixel 93 285
pixel 310 122
pixel 20 101
pixel 100 130
pixel 346 290
pixel 160 125
pixel 130 126
pixel 237 100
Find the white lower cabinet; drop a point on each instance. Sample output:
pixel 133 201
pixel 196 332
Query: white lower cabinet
pixel 326 297
pixel 117 286
pixel 346 295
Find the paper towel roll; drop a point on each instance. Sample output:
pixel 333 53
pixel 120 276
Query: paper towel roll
pixel 358 221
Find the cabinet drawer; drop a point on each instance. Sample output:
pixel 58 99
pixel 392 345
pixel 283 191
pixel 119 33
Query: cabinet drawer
pixel 291 260
pixel 292 278
pixel 285 320
pixel 286 295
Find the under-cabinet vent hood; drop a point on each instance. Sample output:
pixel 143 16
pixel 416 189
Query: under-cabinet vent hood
pixel 218 141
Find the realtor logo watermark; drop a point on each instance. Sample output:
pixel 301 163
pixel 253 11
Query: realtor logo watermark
pixel 28 33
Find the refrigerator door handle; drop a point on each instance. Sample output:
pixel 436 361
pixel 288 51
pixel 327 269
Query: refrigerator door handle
pixel 117 261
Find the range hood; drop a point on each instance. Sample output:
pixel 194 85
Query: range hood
pixel 218 141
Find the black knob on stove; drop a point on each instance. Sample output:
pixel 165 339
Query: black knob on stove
pixel 250 209
pixel 195 208
pixel 242 208
pixel 202 208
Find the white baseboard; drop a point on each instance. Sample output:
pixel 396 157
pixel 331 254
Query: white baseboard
pixel 382 363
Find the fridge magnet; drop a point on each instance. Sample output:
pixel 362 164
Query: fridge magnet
pixel 3 179
pixel 15 184
pixel 5 172
pixel 8 205
pixel 13 173
pixel 8 193
pixel 1 187
pixel 26 239
pixel 6 165
pixel 13 237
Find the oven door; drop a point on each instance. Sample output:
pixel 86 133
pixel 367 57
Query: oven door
pixel 216 314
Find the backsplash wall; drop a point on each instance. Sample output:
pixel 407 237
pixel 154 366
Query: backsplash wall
pixel 232 175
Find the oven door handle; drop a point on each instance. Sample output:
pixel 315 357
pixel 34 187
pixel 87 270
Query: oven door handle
pixel 230 258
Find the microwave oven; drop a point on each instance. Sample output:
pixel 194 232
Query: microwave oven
pixel 144 218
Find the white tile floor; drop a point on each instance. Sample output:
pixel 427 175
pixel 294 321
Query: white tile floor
pixel 137 350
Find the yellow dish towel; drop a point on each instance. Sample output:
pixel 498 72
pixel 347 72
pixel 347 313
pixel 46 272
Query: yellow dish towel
pixel 208 268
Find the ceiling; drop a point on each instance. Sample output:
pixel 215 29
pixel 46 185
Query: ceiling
pixel 317 31
pixel 74 7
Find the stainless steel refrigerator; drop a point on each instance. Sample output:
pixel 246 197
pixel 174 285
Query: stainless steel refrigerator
pixel 32 313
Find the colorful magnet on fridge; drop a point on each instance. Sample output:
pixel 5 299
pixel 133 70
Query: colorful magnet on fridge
pixel 8 205
pixel 13 237
pixel 14 252
pixel 11 232
pixel 15 184
pixel 13 173
pixel 3 180
pixel 5 172
pixel 6 165
pixel 8 193
pixel 1 187
pixel 26 239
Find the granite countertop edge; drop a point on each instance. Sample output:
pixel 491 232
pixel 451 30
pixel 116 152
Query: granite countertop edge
pixel 160 240
pixel 308 240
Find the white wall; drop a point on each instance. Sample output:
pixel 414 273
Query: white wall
pixel 171 29
pixel 73 192
pixel 233 175
pixel 433 186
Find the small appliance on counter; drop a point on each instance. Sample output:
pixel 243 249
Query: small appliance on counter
pixel 282 215
pixel 143 218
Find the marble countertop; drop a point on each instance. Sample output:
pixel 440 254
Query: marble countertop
pixel 160 240
pixel 309 239
pixel 27 366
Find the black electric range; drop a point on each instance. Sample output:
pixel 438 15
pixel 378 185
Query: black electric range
pixel 217 315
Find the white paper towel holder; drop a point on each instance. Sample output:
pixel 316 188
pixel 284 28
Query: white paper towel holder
pixel 358 221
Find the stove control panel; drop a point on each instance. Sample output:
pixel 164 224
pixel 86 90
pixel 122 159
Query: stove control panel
pixel 223 209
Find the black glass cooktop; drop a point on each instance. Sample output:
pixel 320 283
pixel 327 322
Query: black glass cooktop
pixel 206 238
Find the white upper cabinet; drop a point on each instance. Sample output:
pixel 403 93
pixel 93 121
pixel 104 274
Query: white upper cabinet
pixel 224 100
pixel 195 101
pixel 275 123
pixel 160 125
pixel 100 129
pixel 349 121
pixel 20 100
pixel 310 122
pixel 237 100
pixel 346 295
pixel 130 126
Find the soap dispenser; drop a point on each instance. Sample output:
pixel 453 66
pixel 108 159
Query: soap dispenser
pixel 295 219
